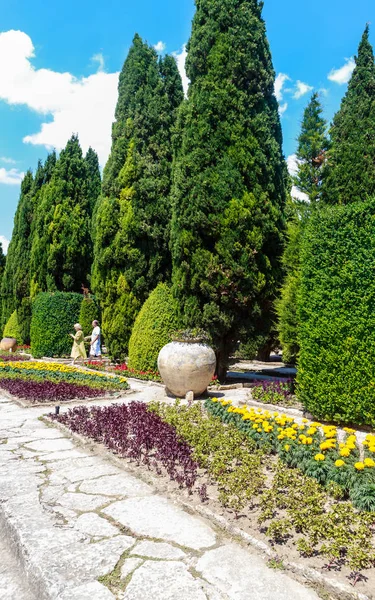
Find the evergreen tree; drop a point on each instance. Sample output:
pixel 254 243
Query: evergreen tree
pixel 311 152
pixel 94 181
pixel 352 156
pixel 14 284
pixel 2 269
pixel 131 225
pixel 229 177
pixel 62 249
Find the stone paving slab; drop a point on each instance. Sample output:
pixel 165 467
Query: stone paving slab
pixel 74 517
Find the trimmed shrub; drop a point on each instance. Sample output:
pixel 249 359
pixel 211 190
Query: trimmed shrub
pixel 53 317
pixel 157 319
pixel 12 329
pixel 88 313
pixel 336 373
pixel 24 319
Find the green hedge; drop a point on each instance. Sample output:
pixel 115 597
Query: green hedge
pixel 157 319
pixel 336 368
pixel 12 329
pixel 53 317
pixel 89 312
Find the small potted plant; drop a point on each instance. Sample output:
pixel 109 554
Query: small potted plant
pixel 187 364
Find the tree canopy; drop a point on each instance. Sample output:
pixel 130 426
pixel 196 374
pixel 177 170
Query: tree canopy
pixel 229 177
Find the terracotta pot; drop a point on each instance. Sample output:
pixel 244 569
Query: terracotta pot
pixel 186 367
pixel 8 344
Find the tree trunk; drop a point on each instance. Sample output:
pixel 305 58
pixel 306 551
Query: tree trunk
pixel 222 362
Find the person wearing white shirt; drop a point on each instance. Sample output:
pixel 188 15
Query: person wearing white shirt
pixel 95 345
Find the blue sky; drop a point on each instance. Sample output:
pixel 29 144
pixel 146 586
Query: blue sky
pixel 59 65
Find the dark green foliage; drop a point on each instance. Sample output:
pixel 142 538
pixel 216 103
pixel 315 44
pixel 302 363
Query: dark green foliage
pixel 93 178
pixel 24 319
pixel 89 312
pixel 311 152
pixel 286 305
pixel 152 329
pixel 2 269
pixel 61 247
pixel 11 328
pixel 53 318
pixel 352 156
pixel 229 177
pixel 16 278
pixel 337 314
pixel 131 228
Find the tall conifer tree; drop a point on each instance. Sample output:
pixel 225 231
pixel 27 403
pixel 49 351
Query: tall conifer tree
pixel 352 156
pixel 62 249
pixel 2 269
pixel 131 225
pixel 229 177
pixel 312 150
pixel 14 281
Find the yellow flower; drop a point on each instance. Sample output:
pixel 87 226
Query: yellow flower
pixel 309 441
pixel 339 463
pixel 311 431
pixel 359 466
pixel 348 430
pixel 319 457
pixel 372 449
pixel 368 462
pixel 345 452
pixel 286 447
pixel 304 421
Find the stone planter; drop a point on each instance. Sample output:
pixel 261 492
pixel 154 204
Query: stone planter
pixel 186 367
pixel 8 344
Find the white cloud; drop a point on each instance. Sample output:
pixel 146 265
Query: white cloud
pixel 298 195
pixel 343 74
pixel 292 164
pixel 302 89
pixel 83 105
pixel 181 59
pixel 279 84
pixel 8 161
pixel 5 243
pixel 10 176
pixel 99 58
pixel 283 108
pixel 160 47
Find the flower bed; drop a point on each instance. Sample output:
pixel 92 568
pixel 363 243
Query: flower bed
pixel 44 381
pixel 101 365
pixel 13 358
pixel 313 448
pixel 221 465
pixel 134 432
pixel 274 392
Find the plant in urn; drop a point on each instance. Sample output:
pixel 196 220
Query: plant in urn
pixel 187 364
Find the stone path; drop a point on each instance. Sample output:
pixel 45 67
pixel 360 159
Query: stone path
pixel 82 527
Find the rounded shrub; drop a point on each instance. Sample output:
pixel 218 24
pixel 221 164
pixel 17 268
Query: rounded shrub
pixel 53 317
pixel 157 319
pixel 12 329
pixel 336 306
pixel 88 313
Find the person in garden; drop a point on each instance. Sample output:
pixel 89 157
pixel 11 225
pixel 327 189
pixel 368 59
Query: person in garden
pixel 95 346
pixel 78 349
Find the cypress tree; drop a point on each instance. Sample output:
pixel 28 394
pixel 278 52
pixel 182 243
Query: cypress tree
pixel 311 152
pixel 352 156
pixel 94 181
pixel 62 249
pixel 2 269
pixel 131 225
pixel 229 177
pixel 14 284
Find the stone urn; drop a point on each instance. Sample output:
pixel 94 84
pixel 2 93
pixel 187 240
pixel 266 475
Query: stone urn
pixel 186 366
pixel 8 344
